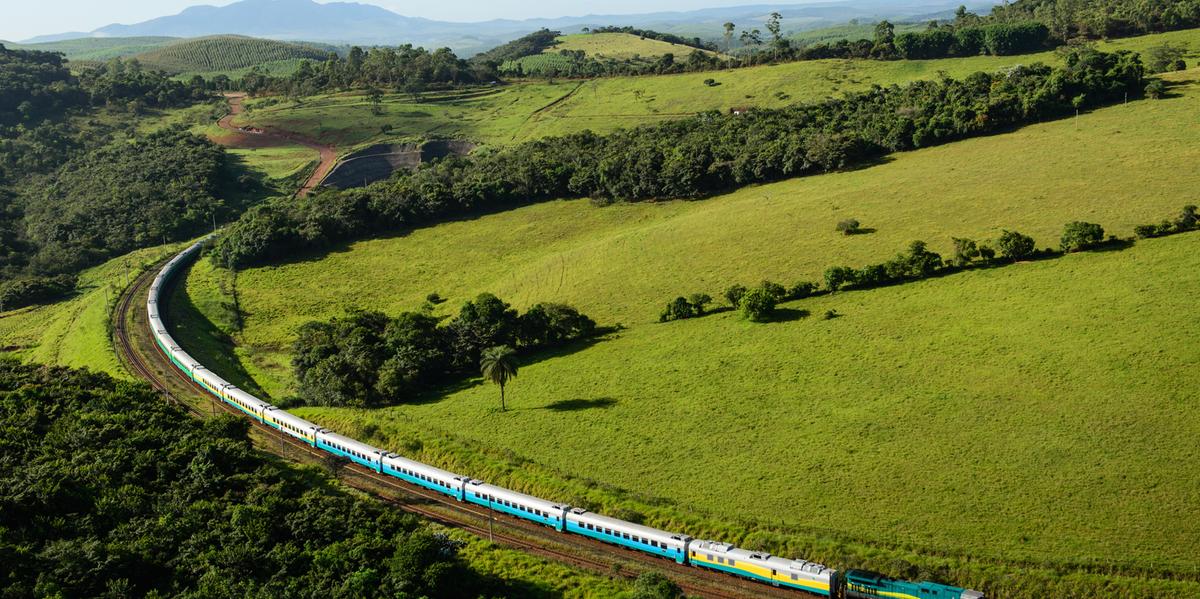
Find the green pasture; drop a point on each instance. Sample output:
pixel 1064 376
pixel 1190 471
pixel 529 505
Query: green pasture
pixel 620 46
pixel 1119 166
pixel 1029 414
pixel 527 110
pixel 75 331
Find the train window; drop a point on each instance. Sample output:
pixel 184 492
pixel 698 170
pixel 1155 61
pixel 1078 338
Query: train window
pixel 731 562
pixel 794 577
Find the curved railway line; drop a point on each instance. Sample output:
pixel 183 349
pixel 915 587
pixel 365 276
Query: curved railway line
pixel 138 352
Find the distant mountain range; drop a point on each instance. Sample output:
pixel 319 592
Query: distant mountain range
pixel 365 24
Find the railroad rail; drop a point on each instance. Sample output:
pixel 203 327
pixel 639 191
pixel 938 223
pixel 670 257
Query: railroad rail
pixel 137 351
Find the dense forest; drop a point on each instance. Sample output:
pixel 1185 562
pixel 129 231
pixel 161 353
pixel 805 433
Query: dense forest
pixel 404 68
pixel 691 157
pixel 368 359
pixel 108 491
pixel 75 189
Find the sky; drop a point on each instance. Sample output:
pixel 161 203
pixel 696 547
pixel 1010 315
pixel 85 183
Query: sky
pixel 23 19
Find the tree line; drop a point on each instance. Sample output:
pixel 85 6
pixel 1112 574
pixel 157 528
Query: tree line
pixel 691 157
pixel 75 190
pixel 404 68
pixel 110 491
pixel 918 262
pixel 370 359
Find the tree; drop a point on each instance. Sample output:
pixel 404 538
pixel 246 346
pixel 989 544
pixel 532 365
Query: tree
pixel 1014 246
pixel 837 277
pixel 729 36
pixel 654 585
pixel 775 28
pixel 699 302
pixel 1164 57
pixel 734 295
pixel 1079 236
pixel 885 40
pixel 849 226
pixel 376 98
pixel 965 250
pixel 1156 89
pixel 758 304
pixel 499 365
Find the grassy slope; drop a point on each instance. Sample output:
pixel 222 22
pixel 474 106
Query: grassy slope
pixel 74 332
pixel 99 48
pixel 620 46
pixel 1119 166
pixel 902 366
pixel 224 53
pixel 534 109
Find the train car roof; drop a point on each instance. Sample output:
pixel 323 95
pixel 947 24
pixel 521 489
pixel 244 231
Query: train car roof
pixel 479 486
pixel 415 466
pixel 763 558
pixel 615 524
pixel 349 443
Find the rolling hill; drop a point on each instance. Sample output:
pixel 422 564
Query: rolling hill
pixel 226 53
pixel 98 48
pixel 620 46
pixel 825 413
pixel 356 23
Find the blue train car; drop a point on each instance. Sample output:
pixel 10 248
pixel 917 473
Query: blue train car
pixel 516 504
pixel 634 536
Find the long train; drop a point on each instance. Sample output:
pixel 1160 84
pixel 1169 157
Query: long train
pixel 724 557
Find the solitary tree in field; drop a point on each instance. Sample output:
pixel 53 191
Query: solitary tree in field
pixel 499 365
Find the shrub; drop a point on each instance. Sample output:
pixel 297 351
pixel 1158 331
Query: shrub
pixel 1079 236
pixel 734 295
pixel 965 250
pixel 777 291
pixel 849 226
pixel 1156 89
pixel 699 302
pixel 802 290
pixel 677 309
pixel 1015 246
pixel 758 304
pixel 837 277
pixel 831 314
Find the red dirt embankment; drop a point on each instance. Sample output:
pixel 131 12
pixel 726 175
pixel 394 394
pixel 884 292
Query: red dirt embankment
pixel 255 137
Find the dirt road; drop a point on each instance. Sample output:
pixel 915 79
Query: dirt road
pixel 253 137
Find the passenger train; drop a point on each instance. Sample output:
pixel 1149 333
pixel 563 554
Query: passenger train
pixel 681 548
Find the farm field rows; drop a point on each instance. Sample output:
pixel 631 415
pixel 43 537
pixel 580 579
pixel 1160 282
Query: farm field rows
pixel 620 45
pixel 898 423
pixel 528 110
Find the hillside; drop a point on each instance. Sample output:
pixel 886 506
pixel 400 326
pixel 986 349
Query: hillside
pixel 1056 351
pixel 226 53
pixel 530 110
pixel 98 48
pixel 357 23
pixel 619 46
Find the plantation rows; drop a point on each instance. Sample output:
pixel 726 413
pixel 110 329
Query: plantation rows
pixel 225 53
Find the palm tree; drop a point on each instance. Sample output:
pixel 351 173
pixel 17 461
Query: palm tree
pixel 498 365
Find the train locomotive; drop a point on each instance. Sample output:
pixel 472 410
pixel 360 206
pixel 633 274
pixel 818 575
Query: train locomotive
pixel 681 548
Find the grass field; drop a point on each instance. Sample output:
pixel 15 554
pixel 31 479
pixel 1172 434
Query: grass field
pixel 74 332
pixel 529 110
pixel 98 48
pixel 985 414
pixel 620 46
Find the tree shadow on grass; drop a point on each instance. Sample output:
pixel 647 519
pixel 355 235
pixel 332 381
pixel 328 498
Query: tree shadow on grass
pixel 575 405
pixel 788 315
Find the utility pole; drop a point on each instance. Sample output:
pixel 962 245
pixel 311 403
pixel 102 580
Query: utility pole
pixel 127 272
pixel 491 514
pixel 214 219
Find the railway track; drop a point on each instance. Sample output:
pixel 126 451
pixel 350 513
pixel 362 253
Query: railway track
pixel 139 353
